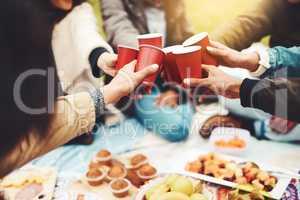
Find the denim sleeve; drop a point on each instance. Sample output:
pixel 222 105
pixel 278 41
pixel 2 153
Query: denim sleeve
pixel 284 57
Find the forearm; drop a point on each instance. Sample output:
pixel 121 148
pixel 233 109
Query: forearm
pixel 73 116
pixel 280 97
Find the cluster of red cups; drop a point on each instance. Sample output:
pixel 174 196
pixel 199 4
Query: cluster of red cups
pixel 177 62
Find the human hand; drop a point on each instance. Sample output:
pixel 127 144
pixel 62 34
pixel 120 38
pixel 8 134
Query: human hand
pixel 125 81
pixel 218 81
pixel 232 58
pixel 107 62
pixel 168 98
pixel 281 126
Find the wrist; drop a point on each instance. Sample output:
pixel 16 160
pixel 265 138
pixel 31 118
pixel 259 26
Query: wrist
pixel 112 94
pixel 251 61
pixel 234 88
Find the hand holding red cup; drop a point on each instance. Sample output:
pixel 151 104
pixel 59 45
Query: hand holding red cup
pixel 126 55
pixel 149 55
pixel 202 40
pixel 189 62
pixel 170 67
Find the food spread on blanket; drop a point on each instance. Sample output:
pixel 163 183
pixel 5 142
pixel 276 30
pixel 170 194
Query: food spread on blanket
pixel 176 187
pixel 29 183
pixel 119 174
pixel 235 142
pixel 247 173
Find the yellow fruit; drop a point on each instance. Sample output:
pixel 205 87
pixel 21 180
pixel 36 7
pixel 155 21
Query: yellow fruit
pixel 198 197
pixel 170 180
pixel 173 196
pixel 157 190
pixel 183 185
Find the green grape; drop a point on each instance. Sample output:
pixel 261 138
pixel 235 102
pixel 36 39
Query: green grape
pixel 198 197
pixel 157 190
pixel 183 185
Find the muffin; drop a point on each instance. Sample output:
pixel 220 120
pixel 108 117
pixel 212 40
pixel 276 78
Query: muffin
pixel 134 178
pixel 147 172
pixel 116 172
pixel 103 157
pixel 95 177
pixel 120 187
pixel 138 160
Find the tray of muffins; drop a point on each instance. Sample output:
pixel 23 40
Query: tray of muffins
pixel 117 177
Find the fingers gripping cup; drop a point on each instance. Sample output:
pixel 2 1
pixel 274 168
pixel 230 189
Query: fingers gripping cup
pixel 170 66
pixel 202 40
pixel 149 55
pixel 189 62
pixel 154 39
pixel 125 56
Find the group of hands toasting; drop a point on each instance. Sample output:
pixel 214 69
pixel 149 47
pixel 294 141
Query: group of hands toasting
pixel 127 78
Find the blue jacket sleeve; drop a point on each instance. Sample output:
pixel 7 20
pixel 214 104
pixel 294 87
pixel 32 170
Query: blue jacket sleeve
pixel 284 57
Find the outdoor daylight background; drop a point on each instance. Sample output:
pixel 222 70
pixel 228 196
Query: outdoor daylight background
pixel 206 15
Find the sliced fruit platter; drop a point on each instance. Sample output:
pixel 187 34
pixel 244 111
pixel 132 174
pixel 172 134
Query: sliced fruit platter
pixel 233 172
pixel 180 186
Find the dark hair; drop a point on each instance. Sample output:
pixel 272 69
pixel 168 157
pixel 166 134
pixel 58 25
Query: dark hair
pixel 25 43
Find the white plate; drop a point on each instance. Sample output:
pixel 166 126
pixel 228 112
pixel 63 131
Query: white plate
pixel 182 159
pixel 223 133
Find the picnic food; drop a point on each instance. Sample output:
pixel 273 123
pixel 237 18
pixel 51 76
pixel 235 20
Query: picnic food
pixel 138 160
pixel 116 172
pixel 147 172
pixel 95 177
pixel 30 182
pixel 235 142
pixel 244 174
pixel 175 187
pixel 134 178
pixel 120 187
pixel 103 157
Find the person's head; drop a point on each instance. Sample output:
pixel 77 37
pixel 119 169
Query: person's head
pixel 25 51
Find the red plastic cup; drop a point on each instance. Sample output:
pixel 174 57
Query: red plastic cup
pixel 189 62
pixel 149 55
pixel 155 39
pixel 170 66
pixel 202 40
pixel 126 55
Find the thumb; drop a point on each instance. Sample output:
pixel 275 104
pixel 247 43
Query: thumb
pixel 209 68
pixel 216 52
pixel 147 71
pixel 129 68
pixel 195 82
pixel 217 45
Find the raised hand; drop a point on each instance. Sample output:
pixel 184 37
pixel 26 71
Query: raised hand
pixel 217 81
pixel 107 62
pixel 232 58
pixel 125 81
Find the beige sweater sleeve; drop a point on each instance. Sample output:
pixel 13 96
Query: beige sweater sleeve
pixel 74 115
pixel 250 27
pixel 73 40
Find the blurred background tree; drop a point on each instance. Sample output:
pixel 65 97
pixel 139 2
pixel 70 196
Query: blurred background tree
pixel 207 15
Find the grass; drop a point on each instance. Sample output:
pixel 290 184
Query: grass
pixel 207 15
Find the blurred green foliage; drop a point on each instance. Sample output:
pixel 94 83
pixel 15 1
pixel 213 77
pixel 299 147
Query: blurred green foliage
pixel 207 15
